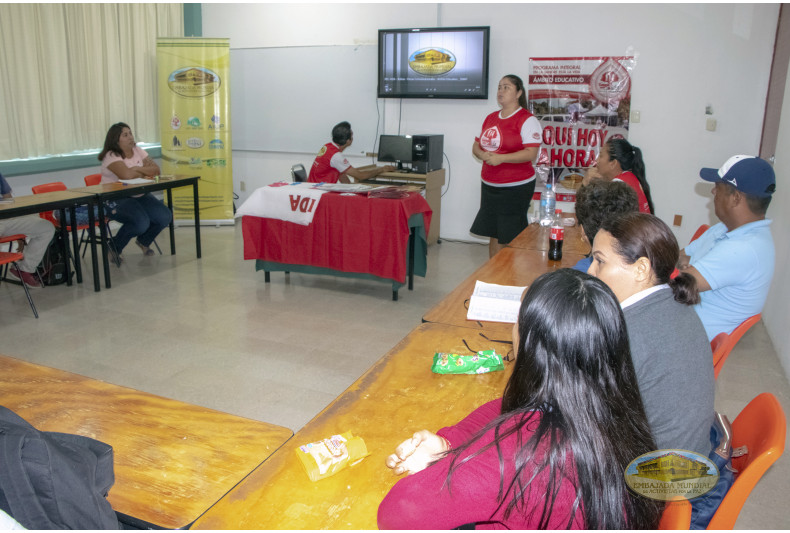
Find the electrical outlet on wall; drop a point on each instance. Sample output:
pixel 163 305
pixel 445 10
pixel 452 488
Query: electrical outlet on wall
pixel 678 220
pixel 242 186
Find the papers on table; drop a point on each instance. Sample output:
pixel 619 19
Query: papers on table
pixel 495 303
pixel 345 187
pixel 137 181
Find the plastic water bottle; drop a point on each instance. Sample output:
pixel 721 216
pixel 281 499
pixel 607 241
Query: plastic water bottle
pixel 556 237
pixel 548 202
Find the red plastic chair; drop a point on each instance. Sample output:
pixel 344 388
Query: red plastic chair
pixel 677 515
pixel 700 230
pixel 722 344
pixel 10 239
pixel 7 258
pixel 49 215
pixel 761 427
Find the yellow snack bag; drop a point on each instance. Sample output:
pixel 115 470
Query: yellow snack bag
pixel 329 456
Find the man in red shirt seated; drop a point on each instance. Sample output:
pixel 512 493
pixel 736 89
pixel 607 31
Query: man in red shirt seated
pixel 331 166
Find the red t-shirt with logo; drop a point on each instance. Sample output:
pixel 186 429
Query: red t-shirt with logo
pixel 324 169
pixel 507 135
pixel 630 179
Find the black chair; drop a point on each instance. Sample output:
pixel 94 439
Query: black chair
pixel 298 173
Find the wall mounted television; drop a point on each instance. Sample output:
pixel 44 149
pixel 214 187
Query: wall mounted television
pixel 434 63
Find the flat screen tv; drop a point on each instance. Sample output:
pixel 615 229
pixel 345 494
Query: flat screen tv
pixel 434 63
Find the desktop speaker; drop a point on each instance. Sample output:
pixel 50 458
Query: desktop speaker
pixel 426 153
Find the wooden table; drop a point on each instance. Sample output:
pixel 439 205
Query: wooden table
pixel 172 460
pixel 511 266
pixel 114 191
pixel 536 237
pixel 60 200
pixel 396 397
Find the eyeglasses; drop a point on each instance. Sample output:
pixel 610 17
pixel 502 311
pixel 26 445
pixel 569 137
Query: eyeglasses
pixel 510 355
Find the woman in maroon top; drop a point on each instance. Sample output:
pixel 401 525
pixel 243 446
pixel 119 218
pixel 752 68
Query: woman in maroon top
pixel 619 160
pixel 552 452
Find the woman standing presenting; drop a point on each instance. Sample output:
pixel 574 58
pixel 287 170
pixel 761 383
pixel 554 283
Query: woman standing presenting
pixel 507 146
pixel 142 216
pixel 621 161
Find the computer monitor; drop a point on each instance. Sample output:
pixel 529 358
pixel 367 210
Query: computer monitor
pixel 395 149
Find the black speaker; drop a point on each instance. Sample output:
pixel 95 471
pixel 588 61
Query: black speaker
pixel 427 153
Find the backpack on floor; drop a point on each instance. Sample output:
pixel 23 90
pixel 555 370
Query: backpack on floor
pixel 54 480
pixel 53 265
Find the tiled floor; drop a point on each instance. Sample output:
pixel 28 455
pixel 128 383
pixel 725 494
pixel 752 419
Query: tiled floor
pixel 211 332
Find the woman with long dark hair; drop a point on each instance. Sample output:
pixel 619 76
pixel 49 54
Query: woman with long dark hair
pixel 635 254
pixel 508 144
pixel 619 160
pixel 551 453
pixel 142 216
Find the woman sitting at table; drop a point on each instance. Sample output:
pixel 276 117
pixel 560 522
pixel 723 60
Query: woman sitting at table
pixel 549 454
pixel 635 254
pixel 143 216
pixel 619 160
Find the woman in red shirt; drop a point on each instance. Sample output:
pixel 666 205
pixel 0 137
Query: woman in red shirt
pixel 552 452
pixel 619 160
pixel 507 146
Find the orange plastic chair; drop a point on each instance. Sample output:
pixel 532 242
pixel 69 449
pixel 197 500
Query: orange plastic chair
pixel 700 230
pixel 7 258
pixel 761 427
pixel 677 515
pixel 10 239
pixel 722 344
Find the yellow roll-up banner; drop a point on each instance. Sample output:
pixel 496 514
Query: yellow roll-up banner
pixel 194 120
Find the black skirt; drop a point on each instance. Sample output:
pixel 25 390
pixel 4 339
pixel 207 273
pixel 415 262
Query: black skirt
pixel 503 211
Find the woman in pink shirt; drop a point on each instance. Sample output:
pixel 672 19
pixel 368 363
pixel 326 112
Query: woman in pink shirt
pixel 142 216
pixel 619 160
pixel 552 452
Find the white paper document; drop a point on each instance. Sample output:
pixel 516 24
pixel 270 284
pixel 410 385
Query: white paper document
pixel 495 303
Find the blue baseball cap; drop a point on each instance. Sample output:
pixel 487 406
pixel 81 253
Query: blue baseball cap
pixel 746 173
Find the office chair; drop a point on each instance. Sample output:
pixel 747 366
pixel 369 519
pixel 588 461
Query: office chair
pixel 761 428
pixel 722 344
pixel 298 173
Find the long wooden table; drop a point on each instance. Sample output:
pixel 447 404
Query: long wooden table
pixel 113 191
pixel 396 397
pixel 172 460
pixel 50 201
pixel 511 266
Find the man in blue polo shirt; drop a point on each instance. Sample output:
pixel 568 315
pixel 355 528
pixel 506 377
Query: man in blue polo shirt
pixel 733 262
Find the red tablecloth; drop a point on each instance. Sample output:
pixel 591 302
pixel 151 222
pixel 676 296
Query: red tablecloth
pixel 348 233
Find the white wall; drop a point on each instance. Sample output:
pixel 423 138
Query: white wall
pixel 777 308
pixel 689 56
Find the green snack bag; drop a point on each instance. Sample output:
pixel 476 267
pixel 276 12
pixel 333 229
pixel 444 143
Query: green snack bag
pixel 480 363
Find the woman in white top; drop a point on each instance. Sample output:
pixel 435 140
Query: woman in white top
pixel 142 216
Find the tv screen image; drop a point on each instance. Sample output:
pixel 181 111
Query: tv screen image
pixel 433 63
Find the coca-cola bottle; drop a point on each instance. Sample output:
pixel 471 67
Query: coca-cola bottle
pixel 556 237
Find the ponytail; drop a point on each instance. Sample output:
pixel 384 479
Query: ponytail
pixel 684 288
pixel 630 159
